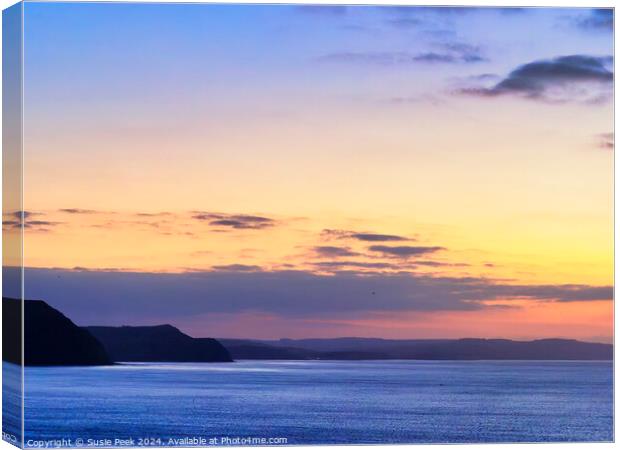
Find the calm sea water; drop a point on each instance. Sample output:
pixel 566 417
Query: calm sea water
pixel 323 402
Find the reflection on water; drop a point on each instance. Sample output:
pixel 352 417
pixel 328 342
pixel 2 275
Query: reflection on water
pixel 325 401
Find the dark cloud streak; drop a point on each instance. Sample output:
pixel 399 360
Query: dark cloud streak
pixel 18 220
pixel 237 268
pixel 235 221
pixel 77 211
pixel 363 236
pixel 334 252
pixel 553 79
pixel 100 297
pixel 404 251
pixel 372 237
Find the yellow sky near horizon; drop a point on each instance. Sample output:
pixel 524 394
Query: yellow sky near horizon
pixel 534 203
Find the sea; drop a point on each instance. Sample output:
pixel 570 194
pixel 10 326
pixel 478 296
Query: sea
pixel 311 402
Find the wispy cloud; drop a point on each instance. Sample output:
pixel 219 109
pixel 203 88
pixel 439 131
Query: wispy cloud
pixel 237 268
pixel 404 251
pixel 405 22
pixel 362 236
pixel 415 11
pixel 606 141
pixel 32 225
pixel 565 78
pixel 441 264
pixel 322 10
pixel 452 53
pixel 597 19
pixel 18 215
pixel 357 264
pixel 28 220
pixel 373 237
pixel 153 214
pixel 334 252
pixel 77 211
pixel 235 221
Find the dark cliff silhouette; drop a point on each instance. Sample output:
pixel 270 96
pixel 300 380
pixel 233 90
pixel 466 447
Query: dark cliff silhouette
pixel 50 338
pixel 161 343
pixel 423 349
pixel 246 349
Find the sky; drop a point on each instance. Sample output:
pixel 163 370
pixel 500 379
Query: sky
pixel 270 171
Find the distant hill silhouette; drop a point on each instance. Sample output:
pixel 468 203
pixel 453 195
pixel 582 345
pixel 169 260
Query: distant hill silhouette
pixel 246 349
pixel 50 338
pixel 161 343
pixel 423 349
